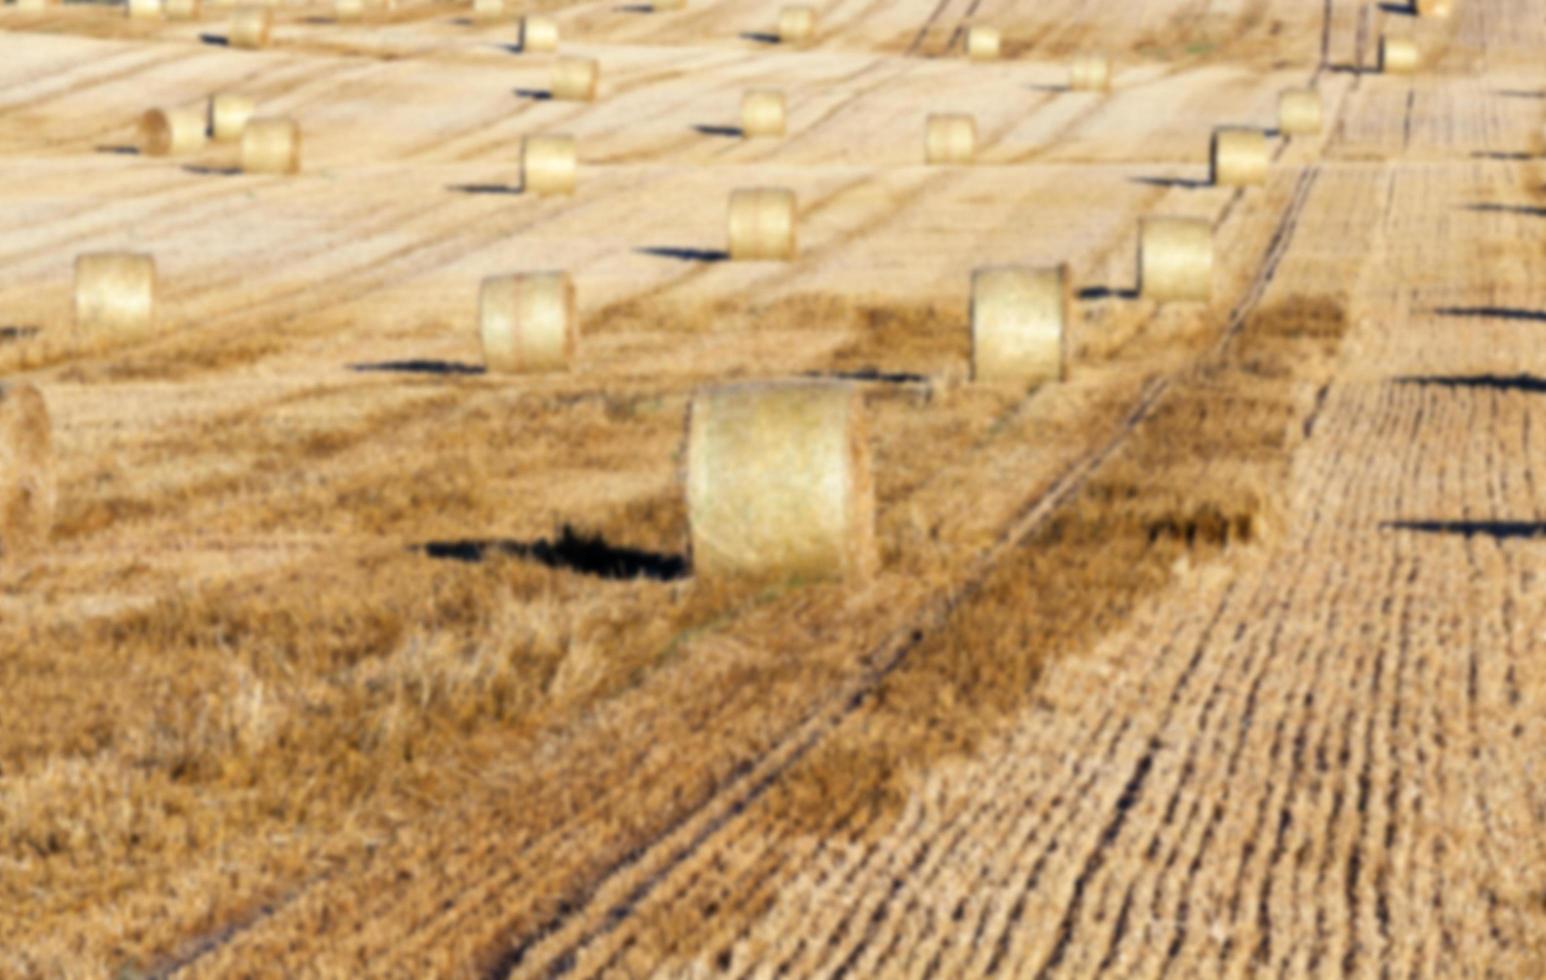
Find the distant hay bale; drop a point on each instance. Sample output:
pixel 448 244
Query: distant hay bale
pixel 1398 56
pixel 1090 73
pixel 779 484
pixel 576 79
pixel 539 33
pixel 488 9
pixel 143 9
pixel 1299 112
pixel 34 6
pixel 1239 157
pixel 950 138
pixel 983 43
pixel 1020 324
pixel 250 28
pixel 115 293
pixel 763 113
pixel 172 132
pixel 527 322
pixel 228 115
pixel 762 224
pixel 184 9
pixel 27 482
pixel 1440 9
pixel 348 9
pixel 271 146
pixel 796 24
pixel 548 164
pixel 669 5
pixel 1175 259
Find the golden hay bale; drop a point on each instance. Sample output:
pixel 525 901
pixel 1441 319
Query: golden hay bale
pixel 172 132
pixel 115 292
pixel 796 24
pixel 250 28
pixel 1175 259
pixel 950 138
pixel 1434 8
pixel 348 9
pixel 1398 55
pixel 548 164
pixel 271 146
pixel 539 33
pixel 488 9
pixel 1090 73
pixel 762 224
pixel 576 79
pixel 669 5
pixel 527 322
pixel 1020 322
pixel 184 9
pixel 983 43
pixel 778 482
pixel 1299 112
pixel 27 487
pixel 228 115
pixel 764 113
pixel 34 5
pixel 1239 157
pixel 143 9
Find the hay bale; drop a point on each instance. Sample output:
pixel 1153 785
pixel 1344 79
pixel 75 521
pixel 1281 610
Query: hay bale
pixel 659 5
pixel 796 24
pixel 143 9
pixel 576 79
pixel 539 33
pixel 1440 9
pixel 184 9
pixel 1299 112
pixel 251 28
pixel 1239 157
pixel 172 132
pixel 115 293
pixel 762 224
pixel 1090 73
pixel 983 43
pixel 34 6
pixel 487 10
pixel 228 115
pixel 27 486
pixel 1020 324
pixel 271 146
pixel 527 322
pixel 548 164
pixel 950 138
pixel 778 483
pixel 1175 259
pixel 1398 55
pixel 348 10
pixel 764 113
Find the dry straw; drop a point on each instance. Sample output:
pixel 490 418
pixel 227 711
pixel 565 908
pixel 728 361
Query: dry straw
pixel 796 25
pixel 27 487
pixel 983 43
pixel 271 146
pixel 1090 73
pixel 762 224
pixel 950 138
pixel 1299 112
pixel 527 322
pixel 778 483
pixel 228 115
pixel 764 113
pixel 669 5
pixel 548 164
pixel 172 132
pixel 251 28
pixel 1239 157
pixel 1398 55
pixel 1175 259
pixel 115 293
pixel 143 9
pixel 539 33
pixel 576 79
pixel 184 9
pixel 488 9
pixel 1020 324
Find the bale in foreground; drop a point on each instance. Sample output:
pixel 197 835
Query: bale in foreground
pixel 983 43
pixel 539 33
pixel 1299 112
pixel 527 322
pixel 763 114
pixel 796 25
pixel 271 146
pixel 548 164
pixel 115 293
pixel 950 138
pixel 1239 157
pixel 778 483
pixel 184 9
pixel 228 115
pixel 1398 56
pixel 27 487
pixel 576 79
pixel 1090 73
pixel 762 224
pixel 1020 320
pixel 1175 259
pixel 251 28
pixel 172 132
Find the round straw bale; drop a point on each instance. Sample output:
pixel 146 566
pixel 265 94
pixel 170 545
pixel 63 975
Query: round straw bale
pixel 950 138
pixel 1239 157
pixel 539 33
pixel 27 487
pixel 271 146
pixel 548 164
pixel 488 9
pixel 1434 8
pixel 1299 112
pixel 668 5
pixel 1398 55
pixel 778 482
pixel 527 322
pixel 1020 321
pixel 1175 259
pixel 983 43
pixel 143 9
pixel 115 293
pixel 250 27
pixel 1090 73
pixel 172 132
pixel 764 112
pixel 34 5
pixel 796 24
pixel 576 79
pixel 348 9
pixel 184 9
pixel 762 224
pixel 228 115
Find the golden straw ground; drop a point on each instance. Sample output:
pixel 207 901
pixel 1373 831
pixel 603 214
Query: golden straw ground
pixel 762 224
pixel 1175 259
pixel 271 146
pixel 527 322
pixel 115 293
pixel 1020 324
pixel 950 139
pixel 27 482
pixel 764 114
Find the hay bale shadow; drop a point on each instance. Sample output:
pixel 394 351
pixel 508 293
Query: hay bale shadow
pixel 1497 530
pixel 9 335
pixel 536 94
pixel 127 151
pixel 1491 313
pixel 215 40
pixel 512 190
pixel 204 170
pixel 685 254
pixel 572 551
pixel 421 366
pixel 1184 183
pixel 729 132
pixel 1526 383
pixel 761 37
pixel 1106 292
pixel 1051 89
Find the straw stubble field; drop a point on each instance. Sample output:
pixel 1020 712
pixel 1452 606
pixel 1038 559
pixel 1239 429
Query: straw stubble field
pixel 1225 654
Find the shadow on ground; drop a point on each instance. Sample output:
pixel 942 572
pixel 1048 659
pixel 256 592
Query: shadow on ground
pixel 572 551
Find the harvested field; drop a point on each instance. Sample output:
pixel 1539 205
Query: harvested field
pixel 343 647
